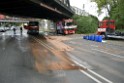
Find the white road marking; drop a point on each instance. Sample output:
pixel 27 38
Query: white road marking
pixel 80 64
pixel 93 78
pixel 96 74
pixel 85 50
pixel 60 73
pixel 119 56
pixel 90 76
pixel 42 43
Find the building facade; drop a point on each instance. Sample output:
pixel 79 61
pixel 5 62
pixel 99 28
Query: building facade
pixel 79 11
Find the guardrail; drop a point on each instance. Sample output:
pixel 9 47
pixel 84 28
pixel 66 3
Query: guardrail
pixel 13 21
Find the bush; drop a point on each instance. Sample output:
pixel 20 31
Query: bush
pixel 86 24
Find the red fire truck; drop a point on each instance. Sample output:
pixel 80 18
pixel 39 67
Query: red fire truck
pixel 66 26
pixel 43 26
pixel 32 27
pixel 107 29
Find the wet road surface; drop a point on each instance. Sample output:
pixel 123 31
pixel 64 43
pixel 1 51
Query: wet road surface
pixel 17 63
pixel 105 59
pixel 22 60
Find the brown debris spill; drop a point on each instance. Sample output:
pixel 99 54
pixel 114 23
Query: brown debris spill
pixel 57 41
pixel 43 58
pixel 64 63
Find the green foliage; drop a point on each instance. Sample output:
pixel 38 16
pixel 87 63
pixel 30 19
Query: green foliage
pixel 102 4
pixel 116 11
pixel 86 24
pixel 106 18
pixel 119 30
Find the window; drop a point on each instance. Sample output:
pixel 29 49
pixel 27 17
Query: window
pixel 33 23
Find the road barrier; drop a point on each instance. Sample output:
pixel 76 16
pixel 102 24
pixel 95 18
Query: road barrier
pixel 92 37
pixel 97 38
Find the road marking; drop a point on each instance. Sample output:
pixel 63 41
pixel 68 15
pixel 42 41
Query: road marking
pixel 60 73
pixel 79 48
pixel 98 75
pixel 119 56
pixel 90 76
pixel 80 64
pixel 76 61
pixel 93 78
pixel 42 43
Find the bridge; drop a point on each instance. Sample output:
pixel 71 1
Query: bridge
pixel 48 9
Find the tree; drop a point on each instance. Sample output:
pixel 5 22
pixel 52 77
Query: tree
pixel 102 4
pixel 106 18
pixel 86 24
pixel 115 10
pixel 117 13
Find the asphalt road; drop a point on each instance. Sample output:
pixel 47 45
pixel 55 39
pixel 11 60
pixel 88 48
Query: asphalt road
pixel 104 61
pixel 17 64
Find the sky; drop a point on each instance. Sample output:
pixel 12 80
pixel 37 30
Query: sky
pixel 90 7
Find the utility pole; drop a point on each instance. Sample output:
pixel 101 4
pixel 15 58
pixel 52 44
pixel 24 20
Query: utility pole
pixel 83 8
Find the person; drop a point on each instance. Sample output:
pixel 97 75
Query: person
pixel 14 30
pixel 21 30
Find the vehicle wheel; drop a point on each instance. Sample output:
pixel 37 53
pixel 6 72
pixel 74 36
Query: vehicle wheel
pixel 104 36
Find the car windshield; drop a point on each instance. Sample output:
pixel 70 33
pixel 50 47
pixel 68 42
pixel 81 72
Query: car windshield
pixel 33 23
pixel 69 23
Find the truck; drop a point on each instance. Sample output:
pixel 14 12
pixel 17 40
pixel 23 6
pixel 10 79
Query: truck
pixel 40 27
pixel 32 27
pixel 107 29
pixel 66 26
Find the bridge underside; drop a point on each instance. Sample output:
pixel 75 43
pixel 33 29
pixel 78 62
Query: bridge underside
pixel 35 8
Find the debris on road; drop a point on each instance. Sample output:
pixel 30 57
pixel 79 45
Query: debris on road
pixel 57 42
pixel 48 60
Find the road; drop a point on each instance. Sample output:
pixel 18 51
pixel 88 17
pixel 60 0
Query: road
pixel 104 61
pixel 18 63
pixel 29 59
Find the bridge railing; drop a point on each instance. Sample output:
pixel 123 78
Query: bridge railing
pixel 64 2
pixel 65 5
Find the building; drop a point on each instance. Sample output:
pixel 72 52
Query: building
pixel 79 11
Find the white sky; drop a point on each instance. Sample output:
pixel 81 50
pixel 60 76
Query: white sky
pixel 90 7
